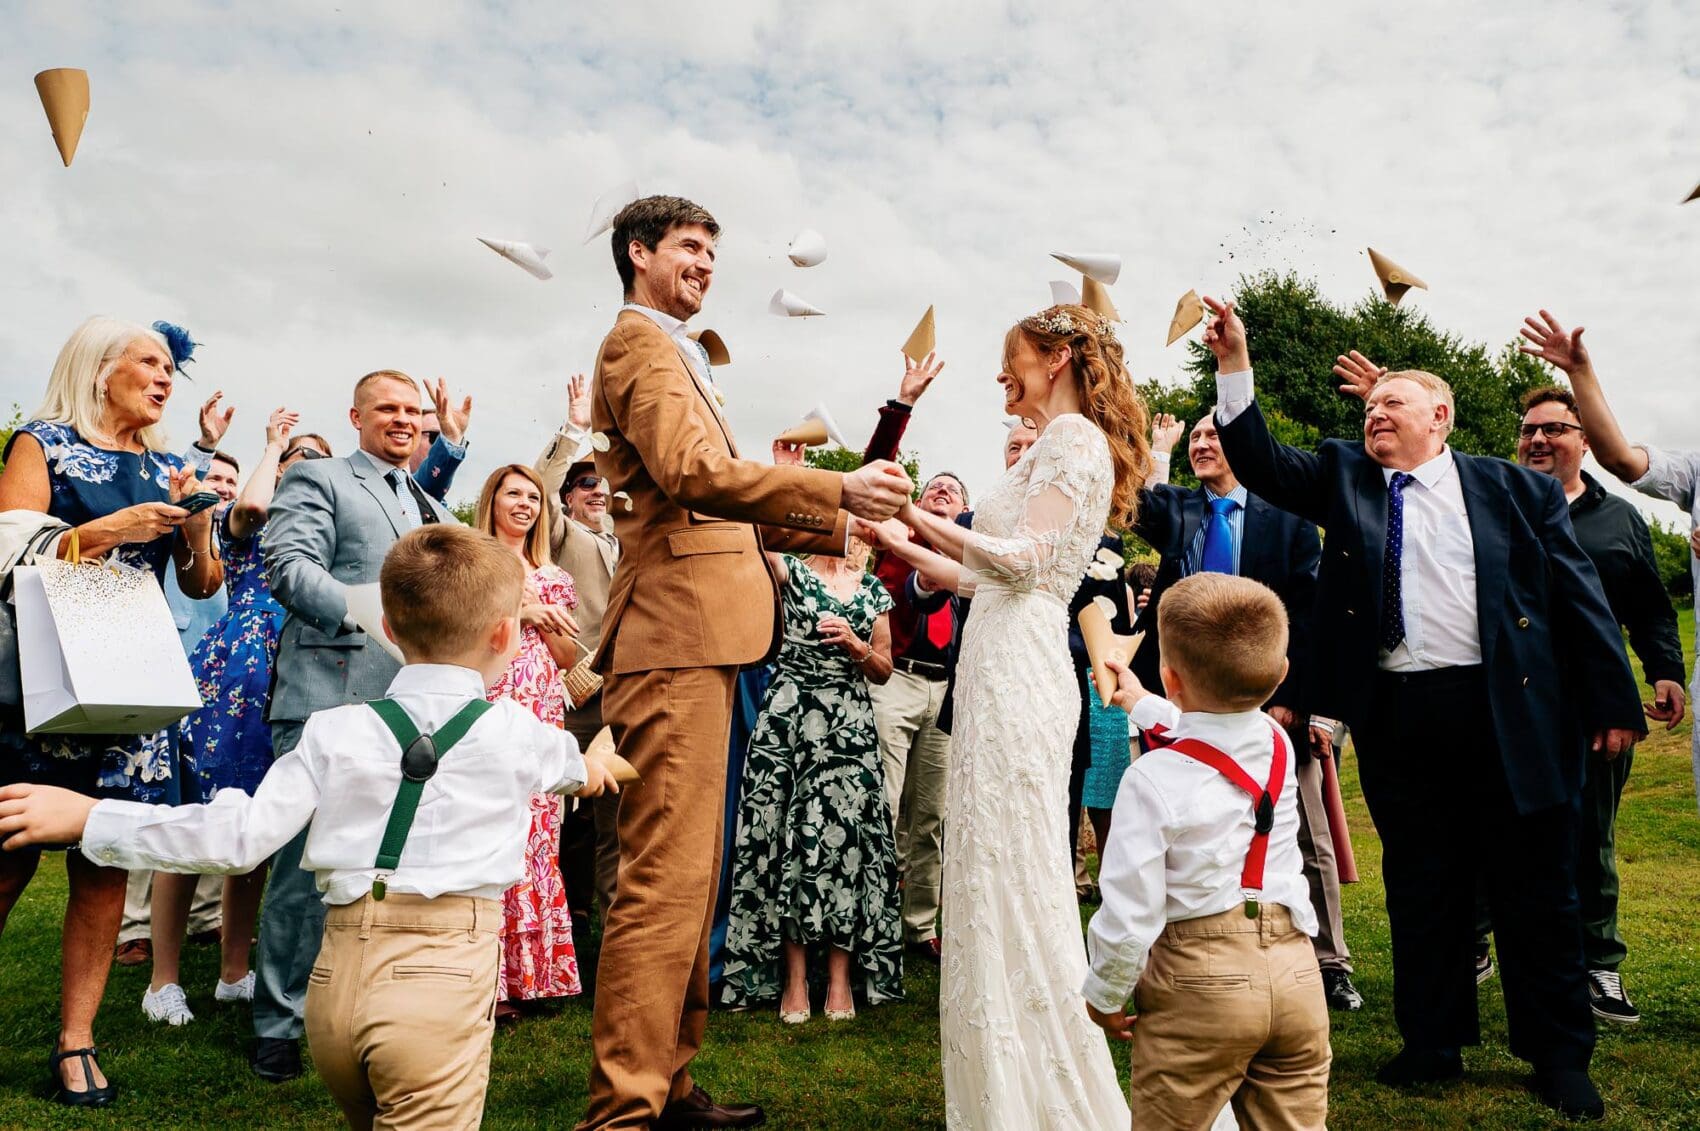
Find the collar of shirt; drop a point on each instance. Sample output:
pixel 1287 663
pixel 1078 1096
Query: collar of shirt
pixel 1239 494
pixel 681 336
pixel 1429 473
pixel 376 464
pixel 1593 494
pixel 437 679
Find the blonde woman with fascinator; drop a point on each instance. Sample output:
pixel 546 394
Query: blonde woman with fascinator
pixel 1018 1047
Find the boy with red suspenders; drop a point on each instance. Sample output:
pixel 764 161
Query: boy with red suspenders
pixel 1207 915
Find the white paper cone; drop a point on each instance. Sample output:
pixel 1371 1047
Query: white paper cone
pixel 366 606
pixel 787 305
pixel 607 207
pixel 1064 294
pixel 808 248
pixel 1105 267
pixel 525 255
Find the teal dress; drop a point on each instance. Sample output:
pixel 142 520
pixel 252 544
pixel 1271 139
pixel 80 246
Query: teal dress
pixel 813 860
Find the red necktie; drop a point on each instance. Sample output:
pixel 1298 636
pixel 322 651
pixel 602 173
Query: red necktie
pixel 941 627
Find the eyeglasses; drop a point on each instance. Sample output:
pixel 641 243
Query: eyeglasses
pixel 1552 429
pixel 586 483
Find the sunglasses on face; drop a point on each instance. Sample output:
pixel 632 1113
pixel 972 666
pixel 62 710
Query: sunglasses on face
pixel 586 483
pixel 430 437
pixel 1552 429
pixel 305 453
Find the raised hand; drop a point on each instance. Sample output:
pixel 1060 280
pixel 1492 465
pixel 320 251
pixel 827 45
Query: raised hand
pixel 214 424
pixel 279 425
pixel 1554 345
pixel 578 401
pixel 451 419
pixel 1225 335
pixel 787 455
pixel 877 490
pixel 917 375
pixel 1166 432
pixel 1357 373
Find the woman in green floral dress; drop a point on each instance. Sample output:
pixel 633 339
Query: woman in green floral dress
pixel 814 873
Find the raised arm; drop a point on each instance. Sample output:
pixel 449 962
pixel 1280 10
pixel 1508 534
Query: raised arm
pixel 301 545
pixel 249 511
pixel 895 414
pixel 1552 343
pixel 563 450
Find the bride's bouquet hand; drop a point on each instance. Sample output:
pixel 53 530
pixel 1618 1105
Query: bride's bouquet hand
pixel 1118 1025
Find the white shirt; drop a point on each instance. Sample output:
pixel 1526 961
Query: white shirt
pixel 681 335
pixel 1676 476
pixel 1437 563
pixel 468 837
pixel 1178 842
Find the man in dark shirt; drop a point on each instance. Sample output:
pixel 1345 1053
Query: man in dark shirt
pixel 1614 536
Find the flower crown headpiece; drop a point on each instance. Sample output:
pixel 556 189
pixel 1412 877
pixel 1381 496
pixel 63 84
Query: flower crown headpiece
pixel 1059 321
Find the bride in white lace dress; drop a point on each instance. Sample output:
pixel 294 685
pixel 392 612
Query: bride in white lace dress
pixel 1019 1050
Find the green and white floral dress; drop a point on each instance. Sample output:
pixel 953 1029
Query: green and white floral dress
pixel 813 861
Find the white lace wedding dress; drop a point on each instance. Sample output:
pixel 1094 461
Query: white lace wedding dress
pixel 1019 1050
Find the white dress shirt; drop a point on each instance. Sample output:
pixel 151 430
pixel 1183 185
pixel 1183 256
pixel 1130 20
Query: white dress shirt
pixel 1437 563
pixel 468 837
pixel 1178 842
pixel 681 335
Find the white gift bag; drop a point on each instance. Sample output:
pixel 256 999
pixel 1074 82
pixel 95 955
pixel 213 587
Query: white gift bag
pixel 98 650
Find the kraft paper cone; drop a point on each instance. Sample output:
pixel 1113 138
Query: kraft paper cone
pixel 714 346
pixel 601 749
pixel 1189 312
pixel 922 341
pixel 1064 294
pixel 808 249
pixel 1695 195
pixel 833 432
pixel 65 96
pixel 810 433
pixel 1095 298
pixel 607 207
pixel 523 255
pixel 1103 644
pixel 1395 280
pixel 787 305
pixel 1106 268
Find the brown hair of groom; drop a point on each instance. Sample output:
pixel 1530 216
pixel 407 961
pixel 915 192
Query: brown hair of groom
pixel 1227 638
pixel 445 587
pixel 648 221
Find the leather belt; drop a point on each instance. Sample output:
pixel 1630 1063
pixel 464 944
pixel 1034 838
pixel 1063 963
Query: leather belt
pixel 921 668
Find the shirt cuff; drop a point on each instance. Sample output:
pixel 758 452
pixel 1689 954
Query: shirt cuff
pixel 1104 997
pixel 1234 395
pixel 198 458
pixel 1161 464
pixel 110 824
pixel 896 405
pixel 456 450
pixel 1154 713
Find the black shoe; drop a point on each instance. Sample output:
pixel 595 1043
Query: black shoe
pixel 1342 995
pixel 1421 1066
pixel 697 1110
pixel 1569 1092
pixel 1610 1003
pixel 276 1059
pixel 1484 962
pixel 90 1096
pixel 927 950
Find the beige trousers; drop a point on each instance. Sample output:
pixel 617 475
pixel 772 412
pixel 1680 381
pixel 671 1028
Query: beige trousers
pixel 206 911
pixel 401 1006
pixel 916 756
pixel 1231 1010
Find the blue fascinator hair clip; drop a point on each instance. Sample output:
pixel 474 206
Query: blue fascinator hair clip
pixel 178 341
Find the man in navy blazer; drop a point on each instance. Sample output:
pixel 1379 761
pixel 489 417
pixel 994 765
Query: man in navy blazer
pixel 1219 526
pixel 1471 649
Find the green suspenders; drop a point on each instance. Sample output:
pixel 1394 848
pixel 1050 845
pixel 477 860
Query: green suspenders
pixel 420 754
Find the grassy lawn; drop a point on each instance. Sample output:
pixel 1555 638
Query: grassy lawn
pixel 882 1070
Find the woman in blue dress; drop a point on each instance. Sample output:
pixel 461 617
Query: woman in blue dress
pixel 229 737
pixel 94 456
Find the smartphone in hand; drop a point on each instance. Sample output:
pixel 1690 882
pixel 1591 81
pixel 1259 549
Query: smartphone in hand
pixel 199 502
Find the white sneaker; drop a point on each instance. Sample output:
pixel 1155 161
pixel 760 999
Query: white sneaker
pixel 167 1004
pixel 240 990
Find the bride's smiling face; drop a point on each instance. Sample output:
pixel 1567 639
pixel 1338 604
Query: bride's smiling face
pixel 1028 374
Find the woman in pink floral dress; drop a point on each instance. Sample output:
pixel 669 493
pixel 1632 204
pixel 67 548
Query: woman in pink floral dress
pixel 537 938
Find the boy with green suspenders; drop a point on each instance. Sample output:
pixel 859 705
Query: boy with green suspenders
pixel 419 805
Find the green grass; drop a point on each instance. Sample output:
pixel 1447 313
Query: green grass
pixel 882 1070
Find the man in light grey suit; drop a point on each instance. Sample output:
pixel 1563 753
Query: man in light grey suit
pixel 332 521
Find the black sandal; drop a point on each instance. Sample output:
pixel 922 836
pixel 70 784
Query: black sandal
pixel 90 1096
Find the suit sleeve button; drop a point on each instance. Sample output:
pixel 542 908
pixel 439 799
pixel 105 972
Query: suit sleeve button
pixel 1522 622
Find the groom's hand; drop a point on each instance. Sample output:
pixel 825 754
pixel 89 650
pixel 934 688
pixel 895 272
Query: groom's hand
pixel 876 491
pixel 1118 1024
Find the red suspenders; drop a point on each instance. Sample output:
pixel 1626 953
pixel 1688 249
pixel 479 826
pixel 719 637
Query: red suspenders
pixel 1263 798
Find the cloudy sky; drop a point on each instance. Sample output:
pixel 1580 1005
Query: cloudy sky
pixel 301 183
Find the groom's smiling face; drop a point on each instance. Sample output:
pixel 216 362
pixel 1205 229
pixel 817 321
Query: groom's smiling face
pixel 675 276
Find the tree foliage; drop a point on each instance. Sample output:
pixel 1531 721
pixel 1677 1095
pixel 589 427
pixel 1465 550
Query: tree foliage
pixel 1671 554
pixel 844 459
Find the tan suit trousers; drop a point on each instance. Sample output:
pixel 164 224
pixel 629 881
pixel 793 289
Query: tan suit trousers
pixel 401 1006
pixel 652 977
pixel 1231 1010
pixel 916 757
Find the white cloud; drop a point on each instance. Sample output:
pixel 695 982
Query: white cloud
pixel 301 185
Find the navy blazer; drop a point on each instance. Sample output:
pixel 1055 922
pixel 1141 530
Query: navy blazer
pixel 1552 653
pixel 1278 549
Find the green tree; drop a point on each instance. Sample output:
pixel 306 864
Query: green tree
pixel 465 511
pixel 8 428
pixel 1671 553
pixel 845 459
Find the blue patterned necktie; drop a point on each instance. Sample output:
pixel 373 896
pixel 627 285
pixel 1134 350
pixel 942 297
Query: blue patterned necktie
pixel 1218 555
pixel 397 479
pixel 1392 591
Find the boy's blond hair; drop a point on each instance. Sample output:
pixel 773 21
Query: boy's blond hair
pixel 1227 638
pixel 445 587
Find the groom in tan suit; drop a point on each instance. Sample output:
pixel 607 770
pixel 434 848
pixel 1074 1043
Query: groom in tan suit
pixel 693 599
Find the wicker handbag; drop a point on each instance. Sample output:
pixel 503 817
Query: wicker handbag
pixel 581 683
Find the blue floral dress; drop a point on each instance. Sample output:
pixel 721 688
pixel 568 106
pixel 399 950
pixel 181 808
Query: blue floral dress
pixel 813 861
pixel 86 483
pixel 231 740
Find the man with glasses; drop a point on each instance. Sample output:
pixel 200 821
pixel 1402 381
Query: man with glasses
pixel 1614 536
pixel 585 546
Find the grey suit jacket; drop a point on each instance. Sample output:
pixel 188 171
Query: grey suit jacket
pixel 331 523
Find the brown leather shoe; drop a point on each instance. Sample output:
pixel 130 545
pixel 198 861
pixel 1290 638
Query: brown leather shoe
pixel 135 952
pixel 698 1110
pixel 928 950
